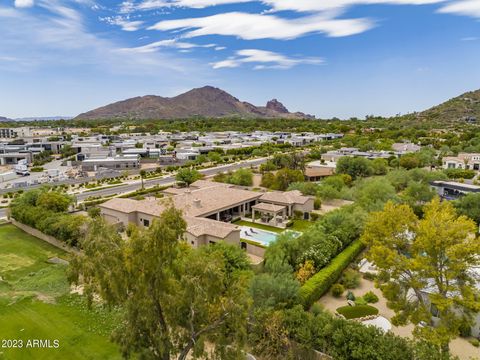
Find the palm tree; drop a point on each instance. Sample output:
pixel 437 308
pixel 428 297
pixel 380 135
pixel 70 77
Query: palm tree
pixel 142 176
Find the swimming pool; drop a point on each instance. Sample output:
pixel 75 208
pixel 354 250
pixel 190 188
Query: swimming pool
pixel 260 236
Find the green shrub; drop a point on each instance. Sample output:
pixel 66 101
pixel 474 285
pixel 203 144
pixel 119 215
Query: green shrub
pixel 465 328
pixel 350 296
pixel 474 342
pixel 369 276
pixel 316 309
pixel 314 216
pixel 360 301
pixel 370 297
pixel 459 173
pixel 350 279
pixel 358 311
pixel 337 290
pixel 319 283
pixel 36 169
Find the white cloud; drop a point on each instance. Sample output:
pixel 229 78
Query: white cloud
pixel 124 22
pixel 462 7
pixel 170 43
pixel 257 26
pixel 264 60
pixel 278 5
pixel 60 39
pixel 130 5
pixel 323 5
pixel 24 3
pixel 469 38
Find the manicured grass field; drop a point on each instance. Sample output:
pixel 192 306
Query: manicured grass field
pixel 358 311
pixel 35 303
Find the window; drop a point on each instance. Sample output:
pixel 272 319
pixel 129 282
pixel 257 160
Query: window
pixel 243 245
pixel 146 222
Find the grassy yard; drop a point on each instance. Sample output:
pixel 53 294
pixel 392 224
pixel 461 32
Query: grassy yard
pixel 259 226
pixel 357 311
pixel 35 303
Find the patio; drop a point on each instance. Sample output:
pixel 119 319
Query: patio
pixel 271 214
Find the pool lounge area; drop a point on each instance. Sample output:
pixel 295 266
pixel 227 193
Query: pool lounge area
pixel 263 237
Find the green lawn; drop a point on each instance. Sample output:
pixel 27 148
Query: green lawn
pixel 259 226
pixel 357 311
pixel 35 304
pixel 300 225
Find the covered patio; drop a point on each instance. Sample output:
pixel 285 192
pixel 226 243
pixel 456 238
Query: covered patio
pixel 271 214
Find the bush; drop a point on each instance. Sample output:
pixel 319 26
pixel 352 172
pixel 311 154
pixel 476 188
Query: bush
pixel 350 296
pixel 465 328
pixel 350 279
pixel 360 301
pixel 316 309
pixel 370 297
pixel 474 342
pixel 358 311
pixel 36 169
pixel 319 284
pixel 337 290
pixel 314 216
pixel 369 276
pixel 459 173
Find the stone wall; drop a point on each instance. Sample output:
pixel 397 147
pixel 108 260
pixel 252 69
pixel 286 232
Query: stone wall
pixel 47 238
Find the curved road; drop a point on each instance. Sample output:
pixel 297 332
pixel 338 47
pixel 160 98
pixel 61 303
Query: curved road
pixel 121 189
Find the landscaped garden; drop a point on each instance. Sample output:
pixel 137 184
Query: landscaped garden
pixel 36 303
pixel 357 311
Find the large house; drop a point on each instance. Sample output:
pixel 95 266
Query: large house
pixel 209 207
pixel 467 161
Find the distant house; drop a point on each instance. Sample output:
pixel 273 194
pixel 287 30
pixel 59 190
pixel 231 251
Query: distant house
pixel 317 173
pixel 451 190
pixel 405 148
pixel 114 163
pixel 467 161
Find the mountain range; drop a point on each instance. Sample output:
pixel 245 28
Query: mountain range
pixel 207 101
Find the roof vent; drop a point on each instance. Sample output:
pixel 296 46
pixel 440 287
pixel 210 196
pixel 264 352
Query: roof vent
pixel 197 203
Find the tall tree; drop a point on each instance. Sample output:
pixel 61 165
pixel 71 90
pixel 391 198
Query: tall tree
pixel 175 298
pixel 143 173
pixel 431 258
pixel 187 176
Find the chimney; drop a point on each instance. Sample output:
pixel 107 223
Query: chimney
pixel 197 203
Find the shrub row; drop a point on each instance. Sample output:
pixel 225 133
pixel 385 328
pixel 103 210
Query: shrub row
pixel 151 190
pixel 319 283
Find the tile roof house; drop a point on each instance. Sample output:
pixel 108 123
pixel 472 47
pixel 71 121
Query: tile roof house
pixel 207 208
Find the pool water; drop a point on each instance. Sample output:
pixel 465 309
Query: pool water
pixel 261 236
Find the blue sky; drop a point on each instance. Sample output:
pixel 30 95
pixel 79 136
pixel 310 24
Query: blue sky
pixel 325 57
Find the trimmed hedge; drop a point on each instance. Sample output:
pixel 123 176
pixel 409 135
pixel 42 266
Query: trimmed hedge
pixel 319 283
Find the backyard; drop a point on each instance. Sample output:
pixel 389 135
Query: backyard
pixel 36 303
pixel 298 225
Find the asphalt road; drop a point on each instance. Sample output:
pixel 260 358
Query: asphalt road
pixel 121 189
pixel 167 180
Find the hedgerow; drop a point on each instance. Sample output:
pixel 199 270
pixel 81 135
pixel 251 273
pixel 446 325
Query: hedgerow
pixel 319 283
